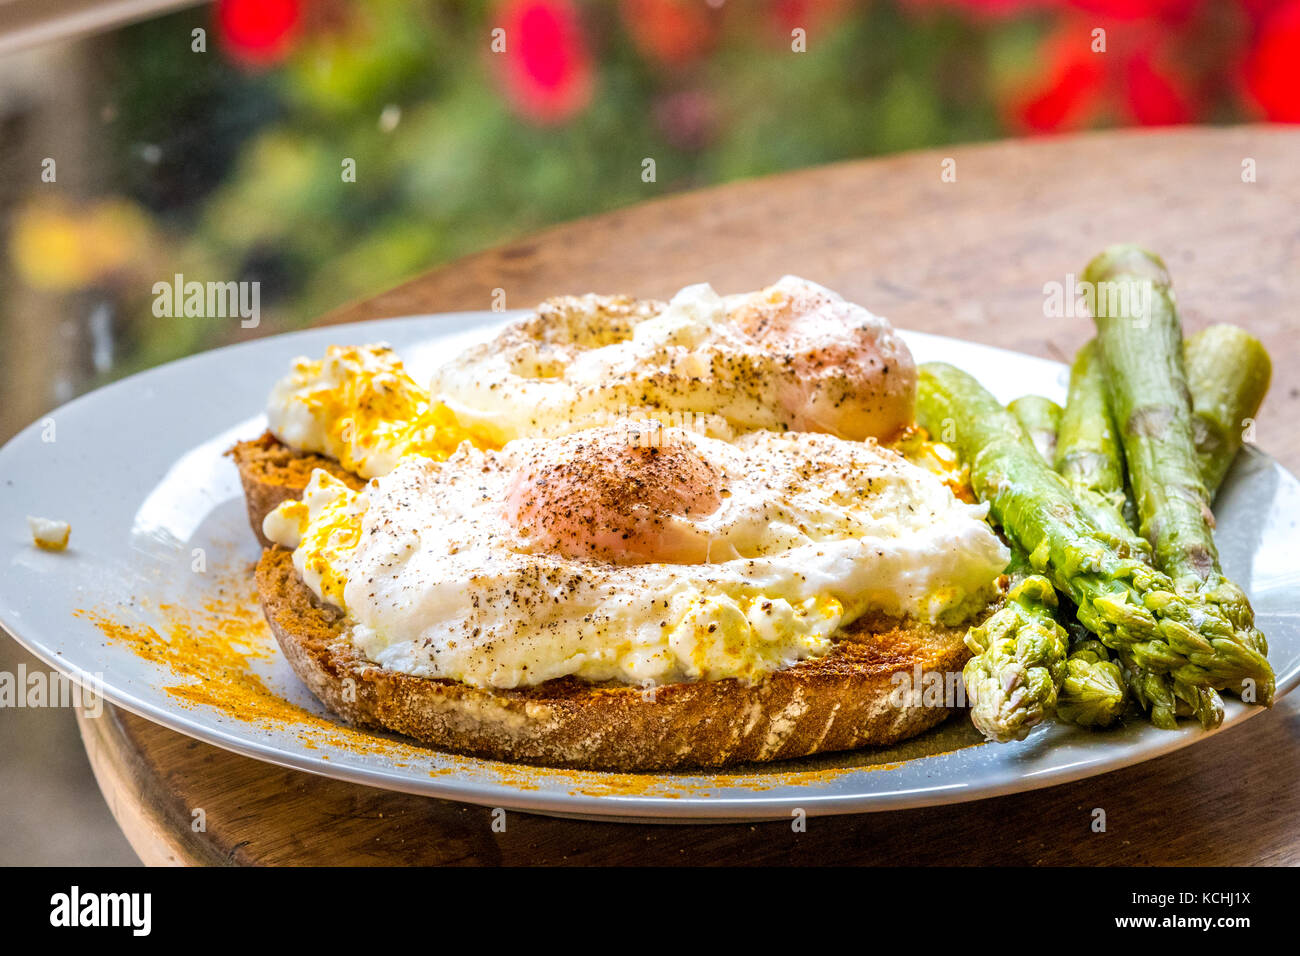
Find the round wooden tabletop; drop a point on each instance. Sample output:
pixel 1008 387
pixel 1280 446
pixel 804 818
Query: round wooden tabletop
pixel 965 256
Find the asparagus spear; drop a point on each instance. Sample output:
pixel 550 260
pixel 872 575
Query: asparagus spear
pixel 1019 675
pixel 1140 341
pixel 1040 418
pixel 1088 452
pixel 1022 671
pixel 1130 606
pixel 1228 372
pixel 1085 687
pixel 1092 689
pixel 1019 658
pixel 1090 459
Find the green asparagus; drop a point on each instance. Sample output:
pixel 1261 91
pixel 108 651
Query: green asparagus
pixel 1130 606
pixel 1227 375
pixel 1019 658
pixel 1040 418
pixel 1020 652
pixel 1023 669
pixel 1016 678
pixel 1140 341
pixel 1228 372
pixel 1092 690
pixel 1026 668
pixel 1090 459
pixel 1088 453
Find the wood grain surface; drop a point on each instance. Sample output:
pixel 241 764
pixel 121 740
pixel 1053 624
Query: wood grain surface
pixel 967 258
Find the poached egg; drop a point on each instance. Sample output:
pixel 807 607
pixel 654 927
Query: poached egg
pixel 791 357
pixel 636 552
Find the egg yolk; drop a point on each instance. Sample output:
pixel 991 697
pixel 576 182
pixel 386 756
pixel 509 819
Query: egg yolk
pixel 371 413
pixel 621 496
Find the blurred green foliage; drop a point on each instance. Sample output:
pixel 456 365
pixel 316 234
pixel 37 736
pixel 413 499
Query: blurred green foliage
pixel 239 170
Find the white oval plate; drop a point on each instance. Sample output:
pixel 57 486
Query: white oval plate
pixel 158 520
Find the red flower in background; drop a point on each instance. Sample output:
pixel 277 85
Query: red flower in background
pixel 1168 10
pixel 1072 92
pixel 991 9
pixel 786 15
pixel 1273 68
pixel 1155 97
pixel 1139 75
pixel 547 69
pixel 1166 62
pixel 258 32
pixel 670 32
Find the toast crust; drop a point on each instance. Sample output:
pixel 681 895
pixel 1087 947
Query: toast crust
pixel 841 701
pixel 272 472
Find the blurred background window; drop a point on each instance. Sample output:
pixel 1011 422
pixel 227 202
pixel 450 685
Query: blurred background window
pixel 328 149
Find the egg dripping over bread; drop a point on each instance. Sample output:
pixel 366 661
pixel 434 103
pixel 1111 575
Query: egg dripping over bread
pixel 603 556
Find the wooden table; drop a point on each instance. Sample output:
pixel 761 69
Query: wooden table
pixel 967 258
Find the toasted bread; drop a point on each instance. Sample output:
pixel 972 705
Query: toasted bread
pixel 272 472
pixel 844 700
pixel 836 702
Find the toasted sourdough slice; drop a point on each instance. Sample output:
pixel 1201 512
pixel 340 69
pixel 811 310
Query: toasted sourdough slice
pixel 840 701
pixel 844 700
pixel 272 472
